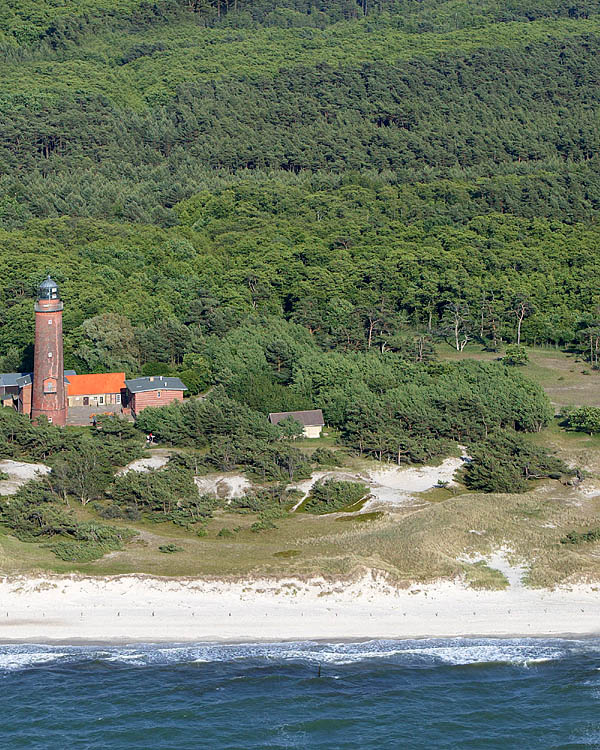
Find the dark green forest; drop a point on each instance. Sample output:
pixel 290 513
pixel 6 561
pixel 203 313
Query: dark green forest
pixel 228 189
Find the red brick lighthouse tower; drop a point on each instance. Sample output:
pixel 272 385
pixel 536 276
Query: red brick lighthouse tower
pixel 48 395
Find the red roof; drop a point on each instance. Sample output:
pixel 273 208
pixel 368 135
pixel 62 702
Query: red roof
pixel 91 385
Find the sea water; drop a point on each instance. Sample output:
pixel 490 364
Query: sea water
pixel 457 693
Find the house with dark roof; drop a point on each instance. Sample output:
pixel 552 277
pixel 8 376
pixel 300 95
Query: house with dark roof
pixel 154 390
pixel 311 420
pixel 9 387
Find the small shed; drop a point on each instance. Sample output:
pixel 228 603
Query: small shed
pixel 311 420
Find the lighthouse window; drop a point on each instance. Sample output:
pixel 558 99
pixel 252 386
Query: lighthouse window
pixel 157 394
pixel 49 355
pixel 50 322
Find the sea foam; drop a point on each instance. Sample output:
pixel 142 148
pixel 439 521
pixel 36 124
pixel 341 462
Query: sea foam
pixel 409 653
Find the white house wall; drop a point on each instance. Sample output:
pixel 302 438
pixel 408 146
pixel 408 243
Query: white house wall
pixel 312 431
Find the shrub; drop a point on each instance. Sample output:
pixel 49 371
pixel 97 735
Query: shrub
pixel 585 419
pixel 170 548
pixel 579 537
pixel 515 356
pixel 77 551
pixel 326 457
pixel 262 524
pixel 332 495
pixel 274 500
pixel 108 511
pixel 505 461
pixel 91 542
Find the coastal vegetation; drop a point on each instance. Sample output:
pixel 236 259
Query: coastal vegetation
pixel 506 462
pixel 33 515
pixel 420 170
pixel 383 406
pixel 217 434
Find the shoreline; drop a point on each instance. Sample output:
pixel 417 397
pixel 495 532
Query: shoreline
pixel 124 642
pixel 142 609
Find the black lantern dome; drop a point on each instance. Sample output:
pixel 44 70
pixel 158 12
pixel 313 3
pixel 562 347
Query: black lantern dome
pixel 48 289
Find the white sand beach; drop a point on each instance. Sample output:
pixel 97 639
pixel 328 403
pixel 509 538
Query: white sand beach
pixel 138 608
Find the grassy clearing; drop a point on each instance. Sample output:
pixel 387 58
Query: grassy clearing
pixel 329 440
pixel 441 494
pixel 566 378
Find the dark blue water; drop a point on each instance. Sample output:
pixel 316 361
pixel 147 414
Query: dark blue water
pixel 457 694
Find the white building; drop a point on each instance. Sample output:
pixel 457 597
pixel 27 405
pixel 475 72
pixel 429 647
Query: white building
pixel 312 420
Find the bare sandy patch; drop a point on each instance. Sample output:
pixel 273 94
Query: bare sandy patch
pixel 145 464
pixel 226 486
pixel 398 486
pixel 19 472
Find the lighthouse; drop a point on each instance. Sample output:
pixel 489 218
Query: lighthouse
pixel 48 394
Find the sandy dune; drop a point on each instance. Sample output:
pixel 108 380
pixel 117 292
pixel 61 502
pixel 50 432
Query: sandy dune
pixel 389 486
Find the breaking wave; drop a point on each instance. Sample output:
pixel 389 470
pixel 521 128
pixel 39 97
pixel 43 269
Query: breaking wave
pixel 407 653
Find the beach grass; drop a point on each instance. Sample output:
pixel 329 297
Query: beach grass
pixel 481 576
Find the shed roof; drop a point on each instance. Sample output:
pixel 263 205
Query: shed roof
pixel 10 378
pixel 27 378
pixel 155 383
pixel 95 384
pixel 313 417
